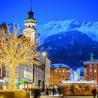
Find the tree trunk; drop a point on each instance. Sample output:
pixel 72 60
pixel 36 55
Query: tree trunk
pixel 12 80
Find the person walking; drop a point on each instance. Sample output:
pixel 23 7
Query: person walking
pixel 42 91
pixel 72 90
pixel 47 91
pixel 94 92
pixel 37 93
pixel 53 91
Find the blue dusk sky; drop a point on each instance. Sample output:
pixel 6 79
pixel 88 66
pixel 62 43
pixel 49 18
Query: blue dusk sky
pixel 15 11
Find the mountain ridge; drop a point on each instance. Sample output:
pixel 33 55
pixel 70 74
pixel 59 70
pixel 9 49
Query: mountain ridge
pixel 55 27
pixel 71 48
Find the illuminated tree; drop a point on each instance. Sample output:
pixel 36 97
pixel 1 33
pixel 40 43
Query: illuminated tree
pixel 15 50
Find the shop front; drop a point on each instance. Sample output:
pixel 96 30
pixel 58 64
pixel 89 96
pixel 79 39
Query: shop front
pixel 78 87
pixel 24 84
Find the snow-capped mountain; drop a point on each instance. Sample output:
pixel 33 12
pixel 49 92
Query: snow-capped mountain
pixel 71 48
pixel 70 42
pixel 54 27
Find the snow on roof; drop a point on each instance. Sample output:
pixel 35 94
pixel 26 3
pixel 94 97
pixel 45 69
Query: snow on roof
pixel 58 65
pixel 91 61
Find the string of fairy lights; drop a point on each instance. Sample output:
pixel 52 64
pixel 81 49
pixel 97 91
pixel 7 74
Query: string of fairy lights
pixel 16 50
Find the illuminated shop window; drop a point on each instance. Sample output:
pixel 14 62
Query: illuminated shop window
pixel 95 70
pixel 59 76
pixel 95 66
pixel 55 70
pixel 63 76
pixel 90 70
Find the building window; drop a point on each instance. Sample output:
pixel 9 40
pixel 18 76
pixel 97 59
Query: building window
pixel 90 66
pixel 90 70
pixel 94 70
pixel 90 75
pixel 94 75
pixel 55 70
pixel 63 76
pixel 59 76
pixel 0 72
pixel 95 66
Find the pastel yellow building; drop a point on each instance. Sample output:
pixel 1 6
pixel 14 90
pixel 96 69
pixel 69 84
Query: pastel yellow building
pixel 59 73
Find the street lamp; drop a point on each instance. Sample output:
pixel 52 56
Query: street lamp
pixel 44 54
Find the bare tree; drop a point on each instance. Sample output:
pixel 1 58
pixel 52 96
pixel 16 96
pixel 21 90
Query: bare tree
pixel 15 50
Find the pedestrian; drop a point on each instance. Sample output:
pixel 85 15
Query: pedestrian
pixel 47 91
pixel 94 92
pixel 59 90
pixel 72 89
pixel 53 91
pixel 37 93
pixel 42 91
pixel 97 91
pixel 56 91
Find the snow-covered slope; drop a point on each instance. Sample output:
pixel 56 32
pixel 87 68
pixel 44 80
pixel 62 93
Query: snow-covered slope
pixel 54 27
pixel 71 48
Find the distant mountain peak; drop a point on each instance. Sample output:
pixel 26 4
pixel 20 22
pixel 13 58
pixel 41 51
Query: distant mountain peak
pixel 71 47
pixel 54 27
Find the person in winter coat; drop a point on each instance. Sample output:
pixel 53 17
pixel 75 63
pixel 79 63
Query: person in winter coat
pixel 94 92
pixel 37 93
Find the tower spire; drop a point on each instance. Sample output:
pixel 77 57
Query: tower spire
pixel 30 13
pixel 31 5
pixel 30 23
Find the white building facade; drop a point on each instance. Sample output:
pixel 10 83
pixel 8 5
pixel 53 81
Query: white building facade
pixel 47 71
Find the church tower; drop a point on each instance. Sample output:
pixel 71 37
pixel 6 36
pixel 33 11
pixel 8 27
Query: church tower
pixel 30 31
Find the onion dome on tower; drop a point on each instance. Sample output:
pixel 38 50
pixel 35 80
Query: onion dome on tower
pixel 30 23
